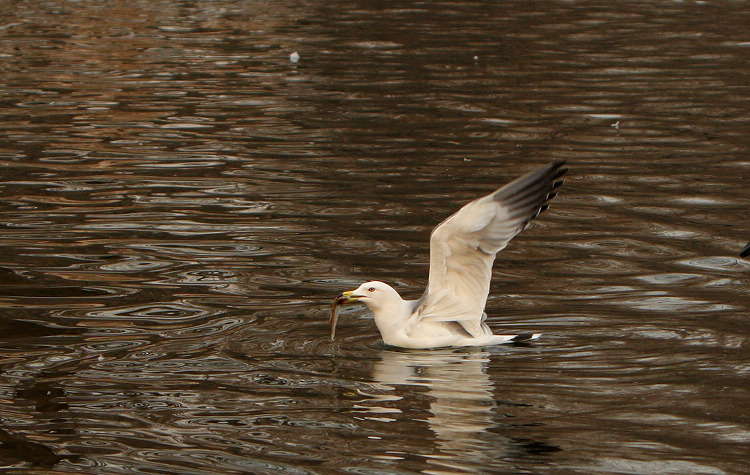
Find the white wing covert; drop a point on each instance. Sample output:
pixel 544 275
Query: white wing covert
pixel 463 247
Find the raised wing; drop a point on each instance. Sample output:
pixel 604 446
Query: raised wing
pixel 463 247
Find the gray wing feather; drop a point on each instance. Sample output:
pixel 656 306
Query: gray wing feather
pixel 463 247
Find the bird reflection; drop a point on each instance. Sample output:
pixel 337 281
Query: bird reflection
pixel 462 402
pixel 462 407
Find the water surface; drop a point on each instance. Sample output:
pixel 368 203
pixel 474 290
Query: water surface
pixel 180 204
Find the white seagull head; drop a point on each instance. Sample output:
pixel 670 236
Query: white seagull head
pixel 382 300
pixel 375 294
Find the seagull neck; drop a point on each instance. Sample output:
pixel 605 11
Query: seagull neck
pixel 392 316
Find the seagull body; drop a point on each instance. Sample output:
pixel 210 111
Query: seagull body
pixel 400 323
pixel 462 252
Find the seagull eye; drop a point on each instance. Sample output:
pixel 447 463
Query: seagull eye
pixel 371 289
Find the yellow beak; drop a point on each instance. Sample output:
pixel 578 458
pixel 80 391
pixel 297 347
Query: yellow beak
pixel 347 297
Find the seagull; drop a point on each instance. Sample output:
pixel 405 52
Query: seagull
pixel 745 250
pixel 462 252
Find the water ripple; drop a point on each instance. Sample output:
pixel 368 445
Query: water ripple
pixel 157 312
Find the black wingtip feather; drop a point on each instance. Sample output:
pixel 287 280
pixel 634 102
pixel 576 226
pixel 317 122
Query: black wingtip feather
pixel 535 183
pixel 527 197
pixel 745 250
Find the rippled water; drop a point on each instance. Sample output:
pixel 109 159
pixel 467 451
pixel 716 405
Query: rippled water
pixel 180 204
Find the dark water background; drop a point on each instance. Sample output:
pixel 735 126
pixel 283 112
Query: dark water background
pixel 180 204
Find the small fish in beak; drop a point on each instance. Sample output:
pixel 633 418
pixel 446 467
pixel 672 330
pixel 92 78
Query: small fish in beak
pixel 344 298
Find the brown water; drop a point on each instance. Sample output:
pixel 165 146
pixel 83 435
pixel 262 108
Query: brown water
pixel 180 204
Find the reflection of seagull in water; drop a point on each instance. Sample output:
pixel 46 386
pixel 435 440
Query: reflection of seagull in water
pixel 745 250
pixel 463 408
pixel 461 402
pixel 462 251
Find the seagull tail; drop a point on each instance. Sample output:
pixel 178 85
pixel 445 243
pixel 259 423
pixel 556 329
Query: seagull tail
pixel 520 338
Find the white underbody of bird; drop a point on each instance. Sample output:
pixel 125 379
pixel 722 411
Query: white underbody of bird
pixel 463 247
